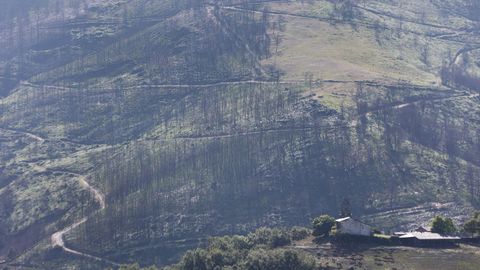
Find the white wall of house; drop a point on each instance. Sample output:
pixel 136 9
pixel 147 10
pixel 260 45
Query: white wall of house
pixel 353 227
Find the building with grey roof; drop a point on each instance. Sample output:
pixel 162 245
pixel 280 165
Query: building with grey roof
pixel 427 239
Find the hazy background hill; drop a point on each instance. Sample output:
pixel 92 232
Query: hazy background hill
pixel 199 118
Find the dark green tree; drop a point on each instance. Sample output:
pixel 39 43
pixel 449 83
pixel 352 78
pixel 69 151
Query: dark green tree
pixel 443 225
pixel 473 225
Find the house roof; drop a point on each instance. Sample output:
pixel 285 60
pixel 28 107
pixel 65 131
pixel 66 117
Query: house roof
pixel 427 236
pixel 343 219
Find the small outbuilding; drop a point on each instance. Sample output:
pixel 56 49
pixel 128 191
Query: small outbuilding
pixel 352 226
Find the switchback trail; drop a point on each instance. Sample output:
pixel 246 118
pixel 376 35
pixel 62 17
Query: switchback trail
pixel 57 238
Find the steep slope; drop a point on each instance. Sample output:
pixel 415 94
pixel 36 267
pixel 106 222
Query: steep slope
pixel 199 118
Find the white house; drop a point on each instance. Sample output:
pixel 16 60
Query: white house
pixel 352 226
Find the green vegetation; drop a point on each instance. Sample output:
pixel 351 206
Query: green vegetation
pixel 261 250
pixel 136 267
pixel 443 225
pixel 258 251
pixel 322 225
pixel 256 259
pixel 198 118
pixel 472 226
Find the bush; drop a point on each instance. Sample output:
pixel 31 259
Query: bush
pixel 299 233
pixel 322 225
pixel 270 237
pixel 230 243
pixel 278 260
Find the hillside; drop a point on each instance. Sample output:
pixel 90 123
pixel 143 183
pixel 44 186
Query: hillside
pixel 134 130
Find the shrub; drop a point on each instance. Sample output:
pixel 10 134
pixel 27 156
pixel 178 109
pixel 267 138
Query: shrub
pixel 299 233
pixel 230 242
pixel 270 237
pixel 278 260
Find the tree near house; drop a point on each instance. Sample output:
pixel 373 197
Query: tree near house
pixel 322 225
pixel 443 225
pixel 473 225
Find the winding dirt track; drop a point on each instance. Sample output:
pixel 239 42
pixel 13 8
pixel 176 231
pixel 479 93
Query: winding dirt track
pixel 57 238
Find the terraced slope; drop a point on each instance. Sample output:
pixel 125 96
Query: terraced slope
pixel 199 118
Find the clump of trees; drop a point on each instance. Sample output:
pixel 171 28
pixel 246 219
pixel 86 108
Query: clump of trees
pixel 261 250
pixel 443 225
pixel 254 259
